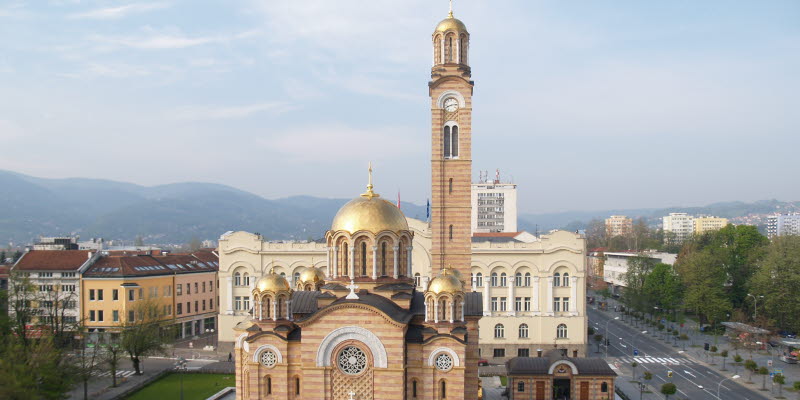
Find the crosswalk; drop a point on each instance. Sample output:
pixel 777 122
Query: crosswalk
pixel 120 374
pixel 658 360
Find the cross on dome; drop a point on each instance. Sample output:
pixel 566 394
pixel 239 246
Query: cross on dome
pixel 369 193
pixel 352 286
pixel 451 9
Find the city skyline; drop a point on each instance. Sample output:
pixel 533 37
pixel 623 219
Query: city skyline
pixel 259 97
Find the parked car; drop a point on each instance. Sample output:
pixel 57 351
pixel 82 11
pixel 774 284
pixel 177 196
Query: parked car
pixel 787 334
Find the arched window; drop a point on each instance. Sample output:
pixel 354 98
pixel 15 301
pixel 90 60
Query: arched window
pixel 450 189
pixel 280 307
pixel 561 331
pixel 443 390
pixel 518 279
pixel 527 279
pixel 454 145
pixel 557 279
pixel 499 331
pixel 267 306
pixel 344 259
pixel 414 389
pixel 417 280
pixel 565 280
pixel 604 387
pixel 268 385
pixel 447 141
pixel 437 50
pixel 246 279
pixel 462 50
pixel 442 309
pixel 494 279
pixel 503 280
pixel 523 331
pixel 297 385
pixel 451 232
pixel 237 278
pixel 448 49
pixel 520 386
pixel 364 258
pixel 296 277
pixel 479 279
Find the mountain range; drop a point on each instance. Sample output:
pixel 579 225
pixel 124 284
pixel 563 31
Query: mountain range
pixel 176 213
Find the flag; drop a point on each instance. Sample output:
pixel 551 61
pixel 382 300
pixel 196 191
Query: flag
pixel 428 210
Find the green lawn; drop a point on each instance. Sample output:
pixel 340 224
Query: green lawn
pixel 195 387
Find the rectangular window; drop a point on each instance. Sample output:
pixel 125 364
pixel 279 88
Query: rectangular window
pixel 100 315
pixel 503 304
pixel 70 304
pixel 499 353
pixel 115 294
pixel 211 303
pixel 210 286
pixel 68 288
pixel 91 294
pixel 91 315
pixel 246 303
pixel 169 309
pixel 237 301
pixel 523 352
pixel 179 308
pixel 204 287
pixel 188 307
pixel 141 293
pixel 188 288
pixel 195 288
pixel 494 303
pixel 527 304
pixel 99 294
pixel 565 304
pixel 518 304
pixel 115 315
pixel 556 304
pixel 196 306
pixel 179 291
pixel 130 295
pixel 167 291
pixel 131 316
pixel 204 305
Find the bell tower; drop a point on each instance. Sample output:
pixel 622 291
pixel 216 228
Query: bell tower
pixel 450 90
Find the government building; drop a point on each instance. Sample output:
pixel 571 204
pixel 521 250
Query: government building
pixel 390 307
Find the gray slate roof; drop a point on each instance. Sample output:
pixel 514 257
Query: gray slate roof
pixel 540 365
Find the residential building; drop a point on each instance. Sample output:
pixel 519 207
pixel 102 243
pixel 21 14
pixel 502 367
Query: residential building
pixel 615 265
pixel 494 206
pixel 556 373
pixel 783 224
pixel 618 225
pixel 703 224
pixel 678 227
pixel 56 243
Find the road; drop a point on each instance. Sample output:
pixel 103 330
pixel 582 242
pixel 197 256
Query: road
pixel 694 380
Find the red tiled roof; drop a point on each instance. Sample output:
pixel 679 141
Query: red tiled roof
pixel 146 265
pixel 53 260
pixel 4 269
pixel 496 234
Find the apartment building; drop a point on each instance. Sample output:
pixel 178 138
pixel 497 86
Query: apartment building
pixel 618 225
pixel 783 224
pixel 680 225
pixel 703 224
pixel 615 265
pixel 494 207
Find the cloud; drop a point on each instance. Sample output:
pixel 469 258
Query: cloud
pixel 118 12
pixel 334 143
pixel 164 41
pixel 193 113
pixel 10 130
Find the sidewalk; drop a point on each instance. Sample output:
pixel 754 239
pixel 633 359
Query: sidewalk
pixel 694 350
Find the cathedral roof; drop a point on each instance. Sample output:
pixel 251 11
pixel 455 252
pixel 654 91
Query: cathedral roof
pixel 369 212
pixel 304 302
pixel 451 24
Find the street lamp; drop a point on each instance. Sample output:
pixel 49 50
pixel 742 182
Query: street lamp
pixel 755 305
pixel 720 383
pixel 606 332
pixel 180 365
pixel 211 332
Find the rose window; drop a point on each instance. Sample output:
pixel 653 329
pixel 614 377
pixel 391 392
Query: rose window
pixel 352 360
pixel 269 358
pixel 444 362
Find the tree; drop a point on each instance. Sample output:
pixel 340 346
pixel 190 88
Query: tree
pixel 633 366
pixel 145 335
pixel 780 380
pixel 662 287
pixel 590 331
pixel 705 281
pixel 777 280
pixel 724 355
pixel 668 389
pixel 596 234
pixel 796 387
pixel 86 360
pixel 112 357
pixel 633 296
pixel 597 340
pixel 647 376
pixel 763 371
pixel 751 367
pixel 737 359
pixel 713 354
pixel 195 244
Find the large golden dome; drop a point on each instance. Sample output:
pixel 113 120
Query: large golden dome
pixel 451 24
pixel 445 283
pixel 272 282
pixel 312 274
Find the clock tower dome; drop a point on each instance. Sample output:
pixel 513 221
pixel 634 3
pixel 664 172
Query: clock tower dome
pixel 450 90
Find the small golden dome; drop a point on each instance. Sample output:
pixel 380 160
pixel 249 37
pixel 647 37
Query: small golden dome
pixel 445 283
pixel 451 24
pixel 312 274
pixel 272 282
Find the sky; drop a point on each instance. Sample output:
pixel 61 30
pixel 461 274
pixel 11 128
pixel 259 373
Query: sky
pixel 586 105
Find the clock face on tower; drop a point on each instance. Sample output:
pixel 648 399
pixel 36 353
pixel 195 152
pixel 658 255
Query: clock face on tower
pixel 451 104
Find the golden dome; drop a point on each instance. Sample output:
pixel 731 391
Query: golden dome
pixel 369 212
pixel 312 274
pixel 445 283
pixel 272 282
pixel 451 24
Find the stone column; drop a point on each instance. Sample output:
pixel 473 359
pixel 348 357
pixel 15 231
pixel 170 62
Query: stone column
pixel 408 263
pixel 275 309
pixel 351 262
pixel 452 310
pixel 288 309
pixel 396 261
pixel 535 295
pixel 486 310
pixel 573 293
pixel 549 295
pixel 335 261
pixel 436 310
pixel 474 281
pixel 374 262
pixel 260 310
pixel 230 296
pixel 426 310
pixel 511 297
pixel 462 312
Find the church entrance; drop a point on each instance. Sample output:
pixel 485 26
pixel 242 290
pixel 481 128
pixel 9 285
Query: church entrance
pixel 561 389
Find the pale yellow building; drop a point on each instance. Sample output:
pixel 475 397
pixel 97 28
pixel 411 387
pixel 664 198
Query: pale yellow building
pixel 618 225
pixel 707 224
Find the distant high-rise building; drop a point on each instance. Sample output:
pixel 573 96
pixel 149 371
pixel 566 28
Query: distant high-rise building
pixel 704 224
pixel 494 206
pixel 618 225
pixel 783 224
pixel 681 225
